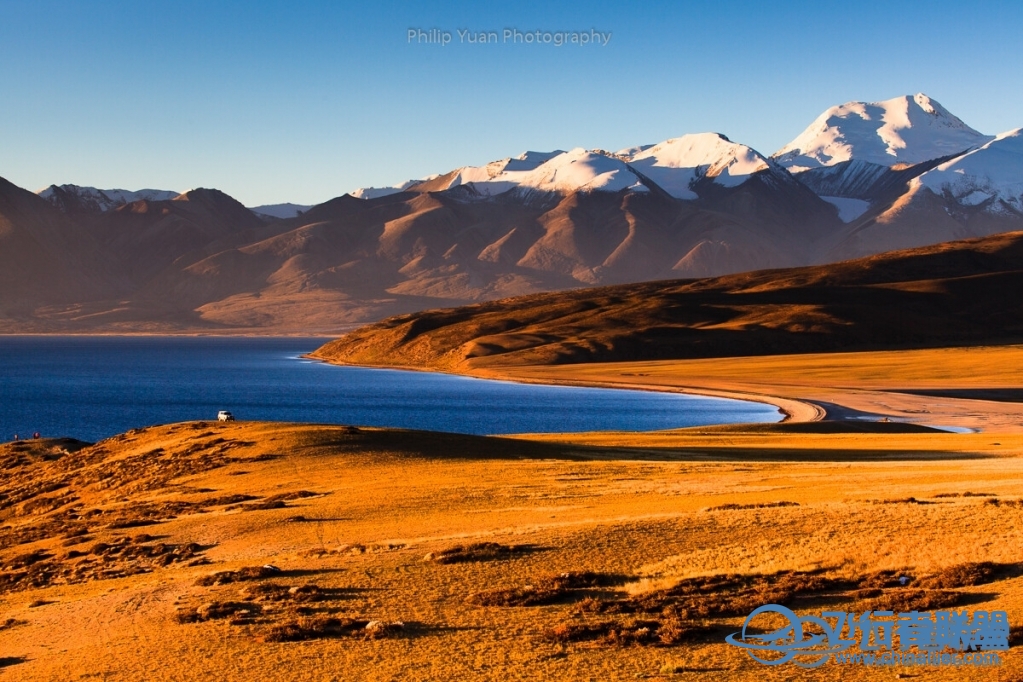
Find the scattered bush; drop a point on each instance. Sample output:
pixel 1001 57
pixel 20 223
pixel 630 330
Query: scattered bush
pixel 1015 635
pixel 666 631
pixel 322 627
pixel 762 505
pixel 216 610
pixel 901 500
pixel 241 575
pixel 962 575
pixel 548 590
pixel 966 494
pixel 900 601
pixel 1017 504
pixel 479 551
pixel 276 592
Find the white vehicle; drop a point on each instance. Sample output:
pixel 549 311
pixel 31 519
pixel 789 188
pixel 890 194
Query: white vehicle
pixel 225 416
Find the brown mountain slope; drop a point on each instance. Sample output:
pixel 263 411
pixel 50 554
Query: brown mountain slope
pixel 203 262
pixel 919 216
pixel 949 294
pixel 44 257
pixel 89 271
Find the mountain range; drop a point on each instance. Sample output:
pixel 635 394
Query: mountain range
pixel 863 178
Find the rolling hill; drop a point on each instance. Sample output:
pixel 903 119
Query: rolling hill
pixel 952 294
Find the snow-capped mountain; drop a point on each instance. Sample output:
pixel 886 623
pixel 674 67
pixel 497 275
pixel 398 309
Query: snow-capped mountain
pixel 990 177
pixel 492 179
pixel 578 170
pixel 674 166
pixel 374 192
pixel 863 179
pixel 75 198
pixel 677 165
pixel 862 156
pixel 901 131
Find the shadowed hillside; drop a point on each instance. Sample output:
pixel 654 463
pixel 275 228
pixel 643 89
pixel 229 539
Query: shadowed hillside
pixel 949 294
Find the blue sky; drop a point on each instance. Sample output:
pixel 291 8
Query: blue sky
pixel 279 101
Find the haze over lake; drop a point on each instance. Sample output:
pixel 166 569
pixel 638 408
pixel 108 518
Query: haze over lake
pixel 95 387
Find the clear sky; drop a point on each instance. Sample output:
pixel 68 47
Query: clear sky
pixel 303 101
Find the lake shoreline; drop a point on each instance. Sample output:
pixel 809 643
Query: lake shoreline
pixel 792 410
pixel 967 389
pixel 96 387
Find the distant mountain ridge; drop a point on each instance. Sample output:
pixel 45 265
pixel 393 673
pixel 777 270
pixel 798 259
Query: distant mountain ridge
pixel 71 198
pixel 863 179
pixel 77 199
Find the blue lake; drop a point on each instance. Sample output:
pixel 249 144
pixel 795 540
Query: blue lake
pixel 94 387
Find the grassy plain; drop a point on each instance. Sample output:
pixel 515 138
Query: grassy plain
pixel 977 388
pixel 141 557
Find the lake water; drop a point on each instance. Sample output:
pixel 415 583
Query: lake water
pixel 94 387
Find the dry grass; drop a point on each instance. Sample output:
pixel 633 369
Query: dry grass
pixel 931 386
pixel 477 551
pixel 664 631
pixel 734 506
pixel 11 623
pixel 632 567
pixel 902 601
pixel 216 610
pixel 1011 504
pixel 901 500
pixel 313 628
pixel 242 574
pixel 966 494
pixel 549 589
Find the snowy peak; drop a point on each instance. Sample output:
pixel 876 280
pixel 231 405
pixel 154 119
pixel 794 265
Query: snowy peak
pixel 72 197
pixel 991 176
pixel 677 164
pixel 493 178
pixel 674 165
pixel 580 170
pixel 375 192
pixel 527 161
pixel 904 130
pixel 501 175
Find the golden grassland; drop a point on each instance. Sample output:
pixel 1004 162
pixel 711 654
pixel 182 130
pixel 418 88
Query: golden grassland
pixel 140 557
pixel 971 388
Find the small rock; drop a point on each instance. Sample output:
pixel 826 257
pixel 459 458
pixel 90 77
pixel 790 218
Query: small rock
pixel 376 626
